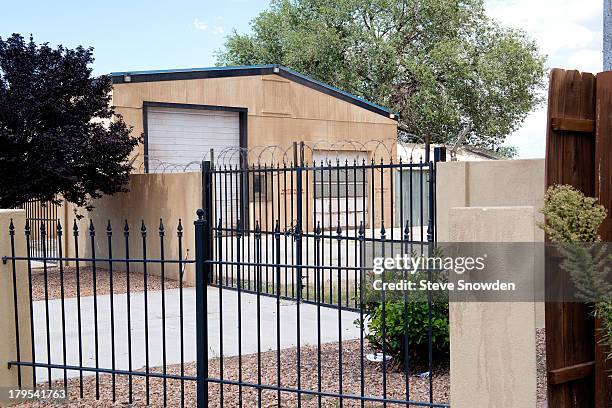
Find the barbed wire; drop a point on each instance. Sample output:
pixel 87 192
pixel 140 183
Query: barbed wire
pixel 273 155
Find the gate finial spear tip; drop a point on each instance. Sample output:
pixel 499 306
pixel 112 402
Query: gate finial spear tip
pixel 200 214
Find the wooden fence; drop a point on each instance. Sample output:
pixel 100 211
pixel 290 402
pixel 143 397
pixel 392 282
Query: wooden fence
pixel 578 152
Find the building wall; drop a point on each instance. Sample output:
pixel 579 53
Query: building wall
pixel 280 111
pixel 170 196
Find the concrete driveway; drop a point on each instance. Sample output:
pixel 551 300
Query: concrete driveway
pixel 268 319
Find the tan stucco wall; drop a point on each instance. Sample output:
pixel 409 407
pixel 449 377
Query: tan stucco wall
pixel 170 196
pixel 488 183
pixel 492 344
pixel 8 343
pixel 280 111
pixel 491 183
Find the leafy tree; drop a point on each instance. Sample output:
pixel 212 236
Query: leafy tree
pixel 442 64
pixel 507 151
pixel 57 131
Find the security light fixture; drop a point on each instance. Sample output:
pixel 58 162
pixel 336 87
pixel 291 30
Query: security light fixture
pixel 127 78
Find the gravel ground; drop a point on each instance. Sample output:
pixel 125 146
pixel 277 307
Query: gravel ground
pixel 419 387
pixel 86 282
pixel 541 364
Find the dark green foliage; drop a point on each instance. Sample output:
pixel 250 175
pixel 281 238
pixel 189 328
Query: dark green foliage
pixel 417 328
pixel 57 133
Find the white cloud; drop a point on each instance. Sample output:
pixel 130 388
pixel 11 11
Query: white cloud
pixel 200 25
pixel 569 32
pixel 218 30
pixel 214 29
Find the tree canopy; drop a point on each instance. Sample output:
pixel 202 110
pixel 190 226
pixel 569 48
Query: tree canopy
pixel 443 65
pixel 57 132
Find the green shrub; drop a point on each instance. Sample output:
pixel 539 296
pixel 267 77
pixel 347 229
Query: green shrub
pixel 417 313
pixel 570 216
pixel 573 218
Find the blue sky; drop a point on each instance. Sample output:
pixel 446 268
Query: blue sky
pixel 134 34
pixel 154 34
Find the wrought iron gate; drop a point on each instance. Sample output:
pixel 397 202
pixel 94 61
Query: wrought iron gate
pixel 43 217
pixel 274 246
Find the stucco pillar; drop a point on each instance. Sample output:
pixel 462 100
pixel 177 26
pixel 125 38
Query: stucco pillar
pixel 452 190
pixel 493 346
pixel 8 343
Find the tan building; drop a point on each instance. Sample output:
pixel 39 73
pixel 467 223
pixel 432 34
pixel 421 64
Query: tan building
pixel 255 115
pixel 182 114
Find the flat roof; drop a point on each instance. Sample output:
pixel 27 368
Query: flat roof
pixel 269 69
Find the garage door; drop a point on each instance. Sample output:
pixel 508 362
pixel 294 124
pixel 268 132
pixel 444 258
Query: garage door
pixel 181 136
pixel 177 137
pixel 339 194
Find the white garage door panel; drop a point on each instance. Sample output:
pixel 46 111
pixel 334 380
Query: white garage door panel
pixel 180 136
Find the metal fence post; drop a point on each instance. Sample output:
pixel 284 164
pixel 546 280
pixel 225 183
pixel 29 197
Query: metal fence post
pixel 431 202
pixel 298 160
pixel 202 254
pixel 207 190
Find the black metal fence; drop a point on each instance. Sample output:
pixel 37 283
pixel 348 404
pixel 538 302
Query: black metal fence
pixel 311 219
pixel 306 233
pixel 104 312
pixel 277 314
pixel 43 217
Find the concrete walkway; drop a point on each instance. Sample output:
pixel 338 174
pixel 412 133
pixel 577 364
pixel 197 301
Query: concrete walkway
pixel 267 319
